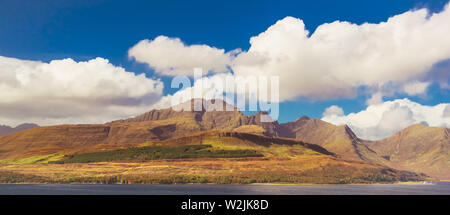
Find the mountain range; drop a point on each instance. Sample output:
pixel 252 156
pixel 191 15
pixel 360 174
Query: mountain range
pixel 417 148
pixel 4 129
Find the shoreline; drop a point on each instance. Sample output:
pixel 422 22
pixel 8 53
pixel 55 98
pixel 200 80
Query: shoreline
pixel 250 184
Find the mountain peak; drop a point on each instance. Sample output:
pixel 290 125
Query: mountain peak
pixel 202 105
pixel 417 125
pixel 302 118
pixel 417 148
pixel 4 129
pixel 26 126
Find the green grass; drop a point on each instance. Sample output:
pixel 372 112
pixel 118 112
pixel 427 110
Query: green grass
pixel 157 153
pixel 34 159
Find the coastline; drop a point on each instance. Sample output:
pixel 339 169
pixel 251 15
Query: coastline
pixel 251 184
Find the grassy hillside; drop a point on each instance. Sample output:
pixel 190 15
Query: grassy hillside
pixel 219 157
pixel 314 169
pixel 157 153
pixel 219 142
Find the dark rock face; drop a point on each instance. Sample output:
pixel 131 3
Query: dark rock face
pixel 228 118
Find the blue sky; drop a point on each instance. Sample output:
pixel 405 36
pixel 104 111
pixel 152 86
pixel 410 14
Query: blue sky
pixel 82 30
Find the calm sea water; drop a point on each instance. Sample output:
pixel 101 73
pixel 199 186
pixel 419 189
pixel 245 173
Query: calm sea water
pixel 439 188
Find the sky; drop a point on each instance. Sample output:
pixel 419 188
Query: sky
pixel 378 66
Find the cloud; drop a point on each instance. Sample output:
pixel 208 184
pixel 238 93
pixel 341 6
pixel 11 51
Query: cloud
pixel 333 110
pixel 390 89
pixel 441 73
pixel 339 58
pixel 376 98
pixel 226 86
pixel 169 56
pixel 207 88
pixel 66 91
pixel 446 111
pixel 382 120
pixel 416 88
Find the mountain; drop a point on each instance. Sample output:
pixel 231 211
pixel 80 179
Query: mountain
pixel 203 119
pixel 232 140
pixel 220 157
pixel 418 148
pixel 337 139
pixel 4 129
pixel 68 139
pixel 151 126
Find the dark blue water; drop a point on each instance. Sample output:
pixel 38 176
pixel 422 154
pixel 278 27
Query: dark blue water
pixel 439 188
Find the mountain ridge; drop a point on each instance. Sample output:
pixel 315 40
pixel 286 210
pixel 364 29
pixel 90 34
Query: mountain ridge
pixel 4 129
pixel 417 148
pixel 166 124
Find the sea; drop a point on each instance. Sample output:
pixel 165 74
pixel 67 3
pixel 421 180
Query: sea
pixel 436 188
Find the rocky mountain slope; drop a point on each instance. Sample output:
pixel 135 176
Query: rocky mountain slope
pixel 337 139
pixel 202 119
pixel 418 148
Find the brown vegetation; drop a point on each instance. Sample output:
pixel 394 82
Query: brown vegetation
pixel 418 149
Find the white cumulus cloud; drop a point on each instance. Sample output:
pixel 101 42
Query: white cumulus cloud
pixel 382 120
pixel 66 91
pixel 333 110
pixel 213 87
pixel 376 98
pixel 337 60
pixel 446 111
pixel 340 57
pixel 416 88
pixel 171 57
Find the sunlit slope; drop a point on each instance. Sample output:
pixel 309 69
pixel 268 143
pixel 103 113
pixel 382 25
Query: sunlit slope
pixel 418 148
pixel 423 150
pixel 337 139
pixel 269 146
pixel 80 138
pixel 154 125
pixel 209 157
